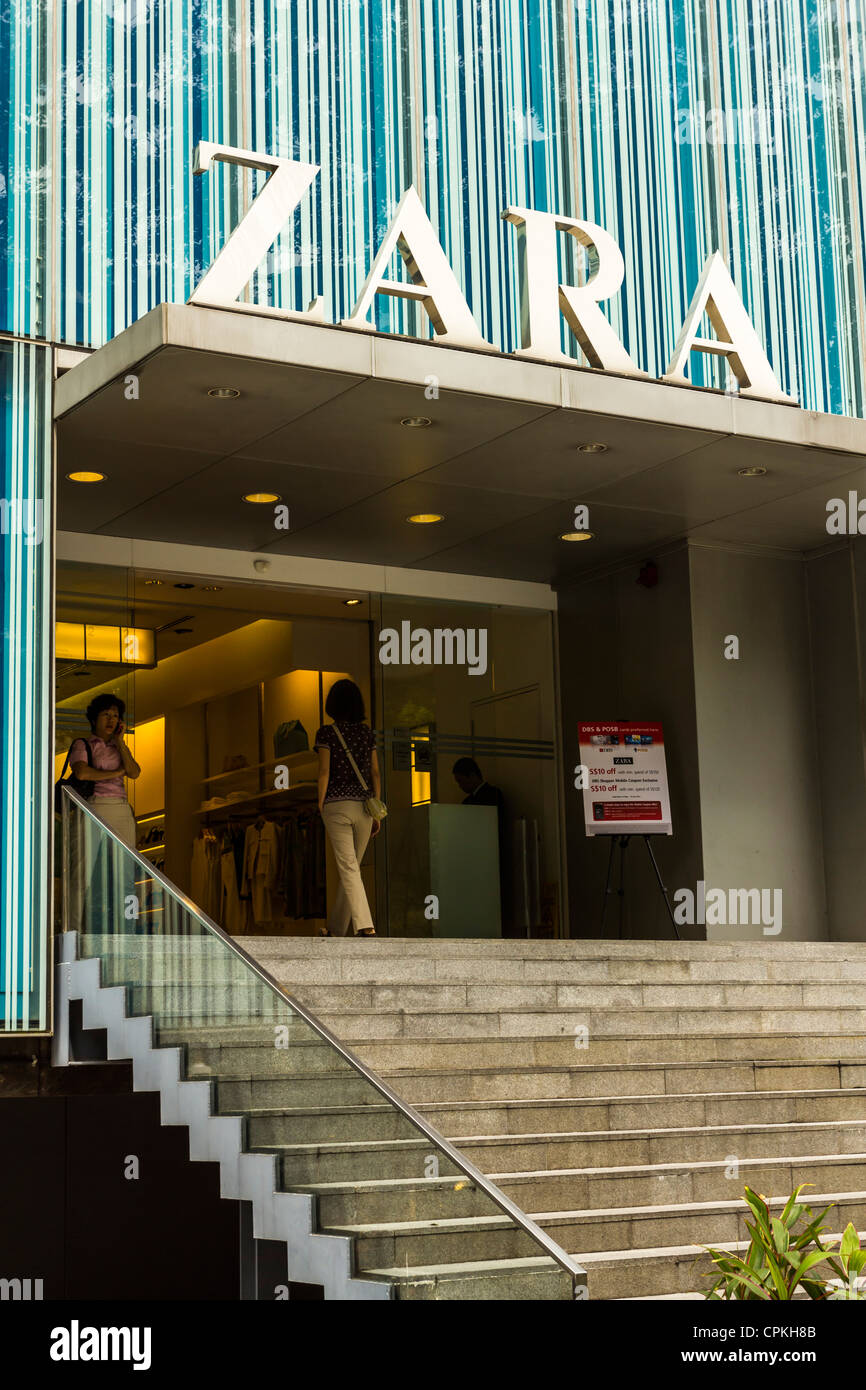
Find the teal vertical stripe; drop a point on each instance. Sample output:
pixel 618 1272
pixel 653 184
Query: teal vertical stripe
pixel 25 595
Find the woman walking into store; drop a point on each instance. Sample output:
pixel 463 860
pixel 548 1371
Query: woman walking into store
pixel 109 762
pixel 346 749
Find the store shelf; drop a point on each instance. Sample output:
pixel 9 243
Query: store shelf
pixel 304 791
pixel 292 760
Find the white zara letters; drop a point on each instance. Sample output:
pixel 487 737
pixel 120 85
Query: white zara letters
pixel 433 284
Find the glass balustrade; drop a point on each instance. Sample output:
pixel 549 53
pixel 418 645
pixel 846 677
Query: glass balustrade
pixel 379 1171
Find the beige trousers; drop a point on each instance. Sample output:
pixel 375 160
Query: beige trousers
pixel 118 816
pixel 349 829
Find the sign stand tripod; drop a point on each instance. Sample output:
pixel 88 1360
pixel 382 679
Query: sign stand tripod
pixel 623 842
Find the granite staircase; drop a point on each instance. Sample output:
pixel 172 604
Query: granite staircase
pixel 620 1093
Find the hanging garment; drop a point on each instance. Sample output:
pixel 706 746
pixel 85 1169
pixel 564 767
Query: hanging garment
pixel 205 874
pixel 302 869
pixel 261 859
pixel 234 914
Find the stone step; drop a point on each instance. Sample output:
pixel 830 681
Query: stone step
pixel 432 1199
pixel 369 1121
pixel 482 984
pixel 497 1237
pixel 448 998
pixel 343 1087
pixel 179 1005
pixel 653 1272
pixel 405 1158
pixel 250 1051
pixel 520 1280
pixel 377 1024
pixel 590 948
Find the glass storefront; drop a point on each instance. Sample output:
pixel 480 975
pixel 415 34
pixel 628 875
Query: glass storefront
pixel 224 685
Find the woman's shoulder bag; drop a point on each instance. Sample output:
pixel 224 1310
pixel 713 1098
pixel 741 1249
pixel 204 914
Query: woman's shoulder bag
pixel 84 789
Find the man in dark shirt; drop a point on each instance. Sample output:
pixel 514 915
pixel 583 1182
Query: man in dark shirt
pixel 469 778
pixel 467 775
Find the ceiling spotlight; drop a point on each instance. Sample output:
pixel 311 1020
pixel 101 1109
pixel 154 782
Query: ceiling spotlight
pixel 223 393
pixel 212 589
pixel 425 518
pixel 261 499
pixel 577 536
pixel 753 470
pixel 416 422
pixel 86 477
pixel 184 586
pixel 351 602
pixel 153 581
pixel 592 448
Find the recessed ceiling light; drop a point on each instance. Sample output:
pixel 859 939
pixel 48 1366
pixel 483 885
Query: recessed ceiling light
pixel 577 536
pixel 592 448
pixel 84 476
pixel 753 470
pixel 224 393
pixel 416 422
pixel 212 589
pixel 153 581
pixel 261 498
pixel 184 586
pixel 425 518
pixel 351 602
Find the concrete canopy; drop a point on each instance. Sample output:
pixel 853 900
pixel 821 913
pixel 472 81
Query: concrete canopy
pixel 318 422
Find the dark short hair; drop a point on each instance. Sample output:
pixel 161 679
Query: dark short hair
pixel 103 702
pixel 346 702
pixel 466 767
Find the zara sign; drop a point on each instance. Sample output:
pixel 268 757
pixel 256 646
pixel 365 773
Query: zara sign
pixel 433 284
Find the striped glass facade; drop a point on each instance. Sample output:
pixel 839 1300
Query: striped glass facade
pixel 681 126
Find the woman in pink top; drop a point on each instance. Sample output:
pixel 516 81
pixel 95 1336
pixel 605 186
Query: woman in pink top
pixel 111 761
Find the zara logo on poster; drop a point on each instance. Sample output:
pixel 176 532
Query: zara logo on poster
pixel 433 284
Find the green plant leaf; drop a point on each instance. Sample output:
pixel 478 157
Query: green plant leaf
pixel 781 1236
pixel 850 1241
pixel 817 1257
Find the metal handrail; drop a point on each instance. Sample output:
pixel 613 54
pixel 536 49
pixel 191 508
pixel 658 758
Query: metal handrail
pixel 572 1268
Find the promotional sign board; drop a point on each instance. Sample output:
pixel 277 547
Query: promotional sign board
pixel 626 780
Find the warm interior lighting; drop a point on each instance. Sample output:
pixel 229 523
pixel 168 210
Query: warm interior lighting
pixel 351 602
pixel 425 518
pixel 84 476
pixel 121 646
pixel 753 470
pixel 261 498
pixel 577 535
pixel 420 780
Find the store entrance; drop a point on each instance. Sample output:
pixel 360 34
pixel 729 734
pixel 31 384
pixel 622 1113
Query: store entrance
pixel 223 685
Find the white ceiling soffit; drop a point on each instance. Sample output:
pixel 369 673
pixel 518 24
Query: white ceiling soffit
pixel 318 422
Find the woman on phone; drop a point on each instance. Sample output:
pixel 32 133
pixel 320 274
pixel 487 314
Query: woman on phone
pixel 110 761
pixel 342 802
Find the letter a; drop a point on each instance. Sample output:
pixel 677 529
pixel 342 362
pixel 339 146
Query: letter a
pixel 433 282
pixel 717 297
